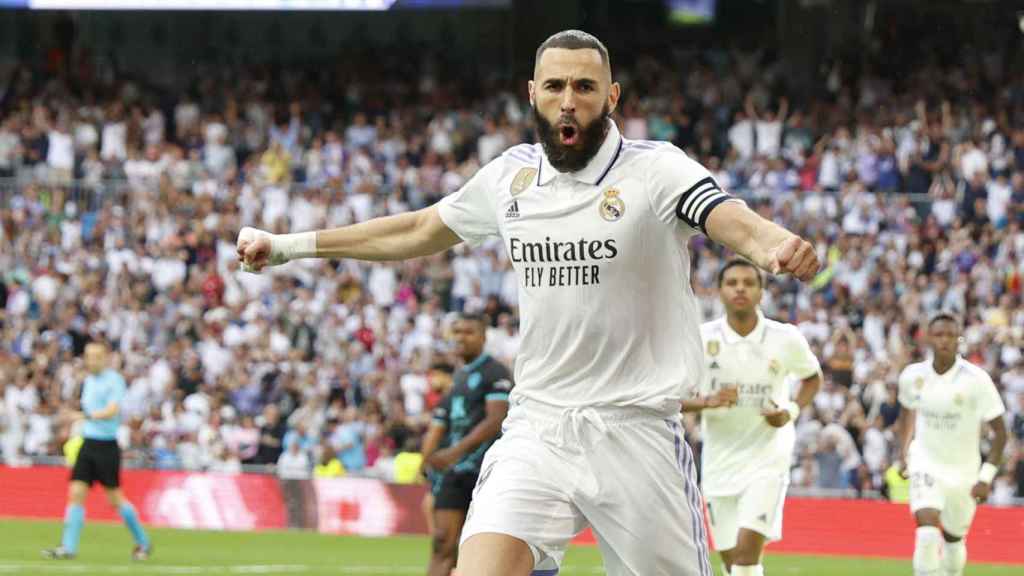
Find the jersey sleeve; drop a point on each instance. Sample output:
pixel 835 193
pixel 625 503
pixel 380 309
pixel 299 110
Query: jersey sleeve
pixel 471 211
pixel 800 361
pixel 906 395
pixel 990 405
pixel 441 411
pixel 682 190
pixel 499 384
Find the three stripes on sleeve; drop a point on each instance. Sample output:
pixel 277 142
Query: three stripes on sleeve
pixel 697 202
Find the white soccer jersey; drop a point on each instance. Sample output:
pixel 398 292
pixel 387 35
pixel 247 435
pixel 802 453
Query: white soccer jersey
pixel 739 445
pixel 950 408
pixel 608 316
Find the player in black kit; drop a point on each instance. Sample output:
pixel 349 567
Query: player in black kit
pixel 465 424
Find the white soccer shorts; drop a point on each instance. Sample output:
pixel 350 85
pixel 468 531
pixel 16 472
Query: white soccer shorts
pixel 758 507
pixel 627 473
pixel 952 500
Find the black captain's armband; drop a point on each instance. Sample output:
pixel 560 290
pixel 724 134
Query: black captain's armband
pixel 697 202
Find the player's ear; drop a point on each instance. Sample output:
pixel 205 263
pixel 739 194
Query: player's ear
pixel 614 91
pixel 529 90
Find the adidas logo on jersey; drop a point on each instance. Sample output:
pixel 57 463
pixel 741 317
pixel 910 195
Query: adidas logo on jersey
pixel 513 210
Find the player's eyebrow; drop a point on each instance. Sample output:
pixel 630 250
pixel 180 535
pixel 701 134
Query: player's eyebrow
pixel 581 82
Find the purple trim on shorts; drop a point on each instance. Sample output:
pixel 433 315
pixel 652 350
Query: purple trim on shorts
pixel 553 572
pixel 685 462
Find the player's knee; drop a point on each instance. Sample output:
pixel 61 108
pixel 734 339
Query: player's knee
pixel 77 492
pixel 115 497
pixel 443 543
pixel 745 555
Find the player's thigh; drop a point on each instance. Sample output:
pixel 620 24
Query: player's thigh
pixel 494 554
pixel 454 491
pixel 108 465
pixel 958 512
pixel 85 469
pixel 644 505
pixel 925 493
pixel 723 518
pixel 523 493
pixel 761 505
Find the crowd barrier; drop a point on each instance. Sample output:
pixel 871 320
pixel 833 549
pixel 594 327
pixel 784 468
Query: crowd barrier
pixel 369 507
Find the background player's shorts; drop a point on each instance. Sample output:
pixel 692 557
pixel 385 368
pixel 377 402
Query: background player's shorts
pixel 453 490
pixel 757 508
pixel 953 500
pixel 627 473
pixel 98 461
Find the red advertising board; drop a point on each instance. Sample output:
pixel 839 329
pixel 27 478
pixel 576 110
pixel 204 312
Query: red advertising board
pixel 374 508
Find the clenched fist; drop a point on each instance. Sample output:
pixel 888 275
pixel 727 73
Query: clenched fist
pixel 795 256
pixel 254 249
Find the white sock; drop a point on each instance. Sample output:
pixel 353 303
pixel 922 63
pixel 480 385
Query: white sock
pixel 954 558
pixel 927 551
pixel 755 570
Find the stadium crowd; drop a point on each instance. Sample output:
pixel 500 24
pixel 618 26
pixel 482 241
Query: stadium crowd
pixel 120 204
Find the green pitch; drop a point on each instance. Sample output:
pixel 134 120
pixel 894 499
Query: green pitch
pixel 105 550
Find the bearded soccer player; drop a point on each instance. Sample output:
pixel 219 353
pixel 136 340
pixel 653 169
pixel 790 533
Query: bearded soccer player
pixel 946 401
pixel 747 418
pixel 596 227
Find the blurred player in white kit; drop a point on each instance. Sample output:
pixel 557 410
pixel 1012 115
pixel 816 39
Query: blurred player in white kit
pixel 946 401
pixel 747 418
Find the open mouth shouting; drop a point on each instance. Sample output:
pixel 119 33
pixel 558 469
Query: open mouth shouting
pixel 569 134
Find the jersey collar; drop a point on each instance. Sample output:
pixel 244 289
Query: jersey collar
pixel 596 169
pixel 756 335
pixel 476 363
pixel 958 364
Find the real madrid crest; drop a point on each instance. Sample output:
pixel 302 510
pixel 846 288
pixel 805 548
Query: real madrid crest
pixel 774 367
pixel 522 180
pixel 919 383
pixel 712 347
pixel 958 399
pixel 612 207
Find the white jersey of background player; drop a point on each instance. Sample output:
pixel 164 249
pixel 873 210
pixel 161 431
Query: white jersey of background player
pixel 596 227
pixel 946 401
pixel 747 417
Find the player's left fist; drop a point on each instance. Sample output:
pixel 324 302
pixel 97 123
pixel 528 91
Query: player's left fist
pixel 980 492
pixel 795 256
pixel 776 418
pixel 442 459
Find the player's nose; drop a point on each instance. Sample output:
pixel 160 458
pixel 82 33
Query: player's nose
pixel 568 100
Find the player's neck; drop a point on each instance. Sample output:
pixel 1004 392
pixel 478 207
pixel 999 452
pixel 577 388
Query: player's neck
pixel 942 365
pixel 742 324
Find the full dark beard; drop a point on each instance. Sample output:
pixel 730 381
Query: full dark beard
pixel 566 158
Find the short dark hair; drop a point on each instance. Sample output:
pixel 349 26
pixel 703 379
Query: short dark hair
pixel 574 40
pixel 443 366
pixel 481 319
pixel 739 262
pixel 944 317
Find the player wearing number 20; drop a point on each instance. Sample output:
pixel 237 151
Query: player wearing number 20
pixel 945 401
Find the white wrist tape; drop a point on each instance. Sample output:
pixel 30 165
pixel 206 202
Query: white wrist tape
pixel 794 410
pixel 987 473
pixel 285 247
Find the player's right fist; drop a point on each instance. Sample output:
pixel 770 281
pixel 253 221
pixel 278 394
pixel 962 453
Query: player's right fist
pixel 253 248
